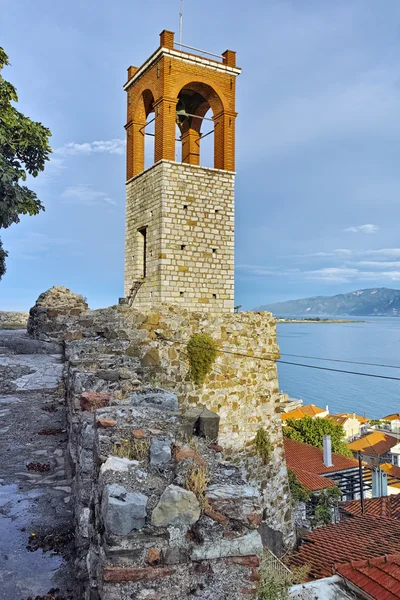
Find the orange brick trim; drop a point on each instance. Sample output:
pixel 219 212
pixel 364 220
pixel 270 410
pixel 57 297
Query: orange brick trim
pixel 157 89
pixel 167 39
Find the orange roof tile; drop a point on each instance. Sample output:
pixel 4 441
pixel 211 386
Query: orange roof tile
pixel 339 419
pixel 384 506
pixel 311 481
pixel 391 469
pixel 311 459
pixel 394 417
pixel 361 420
pixel 309 410
pixel 374 444
pixel 362 537
pixel 378 577
pixel 292 414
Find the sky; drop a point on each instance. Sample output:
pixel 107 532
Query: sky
pixel 318 140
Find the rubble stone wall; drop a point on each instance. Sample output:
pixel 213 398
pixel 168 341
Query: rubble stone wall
pixel 13 320
pixel 121 354
pixel 143 530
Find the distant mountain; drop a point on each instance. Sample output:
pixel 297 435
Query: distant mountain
pixel 363 303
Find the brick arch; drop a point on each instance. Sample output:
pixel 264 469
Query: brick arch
pixel 208 93
pixel 141 104
pixel 206 98
pixel 161 85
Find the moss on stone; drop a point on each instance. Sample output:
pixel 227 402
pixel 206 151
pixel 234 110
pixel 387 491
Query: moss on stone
pixel 202 352
pixel 262 445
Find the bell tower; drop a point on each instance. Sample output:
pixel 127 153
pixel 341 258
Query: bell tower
pixel 179 245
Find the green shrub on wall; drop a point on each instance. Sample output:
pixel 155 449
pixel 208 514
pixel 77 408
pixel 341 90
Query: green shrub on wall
pixel 202 352
pixel 263 446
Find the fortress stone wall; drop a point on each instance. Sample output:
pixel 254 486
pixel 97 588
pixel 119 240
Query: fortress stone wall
pixel 242 390
pixel 13 320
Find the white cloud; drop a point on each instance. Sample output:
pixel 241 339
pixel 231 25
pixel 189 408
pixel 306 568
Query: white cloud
pixel 85 195
pixel 344 254
pixel 340 274
pixel 340 252
pixel 383 252
pixel 376 264
pixel 261 270
pixel 345 275
pixel 116 146
pixel 332 274
pixel 368 228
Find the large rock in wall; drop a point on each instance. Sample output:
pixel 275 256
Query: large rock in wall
pixel 119 349
pixel 50 311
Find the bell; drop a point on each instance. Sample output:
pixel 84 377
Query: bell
pixel 181 113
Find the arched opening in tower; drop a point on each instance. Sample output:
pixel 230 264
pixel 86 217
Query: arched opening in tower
pixel 196 109
pixel 148 131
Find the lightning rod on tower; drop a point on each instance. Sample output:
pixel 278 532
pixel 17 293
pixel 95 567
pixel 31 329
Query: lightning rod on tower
pixel 180 22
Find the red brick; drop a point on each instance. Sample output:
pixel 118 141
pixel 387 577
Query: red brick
pixel 138 434
pixel 216 516
pixel 229 534
pixel 254 519
pixel 106 423
pixel 248 591
pixel 185 453
pixel 255 575
pixel 215 447
pixel 125 574
pixel 252 561
pixel 153 555
pixel 90 401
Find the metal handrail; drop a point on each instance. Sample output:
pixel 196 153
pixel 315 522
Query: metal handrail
pixel 199 50
pixel 274 562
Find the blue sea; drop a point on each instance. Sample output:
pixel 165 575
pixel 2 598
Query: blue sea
pixel 375 341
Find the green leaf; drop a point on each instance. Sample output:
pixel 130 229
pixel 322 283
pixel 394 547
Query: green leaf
pixel 312 431
pixel 24 149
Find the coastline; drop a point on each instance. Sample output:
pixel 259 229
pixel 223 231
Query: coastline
pixel 316 321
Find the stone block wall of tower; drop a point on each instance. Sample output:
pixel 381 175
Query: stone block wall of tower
pixel 188 214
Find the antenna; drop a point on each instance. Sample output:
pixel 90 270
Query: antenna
pixel 180 22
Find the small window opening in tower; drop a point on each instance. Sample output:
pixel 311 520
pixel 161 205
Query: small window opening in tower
pixel 185 207
pixel 214 251
pixel 216 211
pixel 142 251
pixel 181 294
pixel 183 246
pixel 215 296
